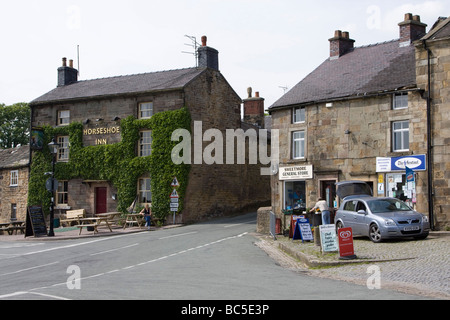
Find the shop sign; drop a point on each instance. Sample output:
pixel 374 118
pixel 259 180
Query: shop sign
pixel 303 230
pixel 296 173
pixel 345 236
pixel 328 238
pixel 417 163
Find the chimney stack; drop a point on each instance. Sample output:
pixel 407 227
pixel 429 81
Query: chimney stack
pixel 67 74
pixel 411 29
pixel 208 57
pixel 340 44
pixel 254 109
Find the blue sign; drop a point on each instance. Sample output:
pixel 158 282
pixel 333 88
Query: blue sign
pixel 303 230
pixel 416 163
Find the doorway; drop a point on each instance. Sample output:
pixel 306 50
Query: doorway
pixel 328 192
pixel 100 200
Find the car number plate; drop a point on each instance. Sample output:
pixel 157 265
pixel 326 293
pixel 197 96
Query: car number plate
pixel 411 228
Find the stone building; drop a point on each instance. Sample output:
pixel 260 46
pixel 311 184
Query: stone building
pixel 14 169
pixel 362 115
pixel 101 105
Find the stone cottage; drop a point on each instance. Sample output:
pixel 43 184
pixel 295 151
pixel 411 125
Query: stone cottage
pixel 14 169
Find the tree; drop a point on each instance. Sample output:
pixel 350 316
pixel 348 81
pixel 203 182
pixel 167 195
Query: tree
pixel 14 125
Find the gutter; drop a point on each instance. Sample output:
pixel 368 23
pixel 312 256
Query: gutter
pixel 429 142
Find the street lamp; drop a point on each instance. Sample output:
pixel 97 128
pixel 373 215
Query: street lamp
pixel 54 151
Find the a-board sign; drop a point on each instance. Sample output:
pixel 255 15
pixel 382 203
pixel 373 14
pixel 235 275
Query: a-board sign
pixel 35 224
pixel 293 223
pixel 328 239
pixel 303 230
pixel 345 236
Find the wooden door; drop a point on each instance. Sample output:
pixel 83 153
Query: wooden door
pixel 100 200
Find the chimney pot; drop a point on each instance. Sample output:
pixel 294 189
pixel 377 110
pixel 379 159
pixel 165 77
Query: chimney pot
pixel 340 44
pixel 411 29
pixel 249 91
pixel 71 63
pixel 257 94
pixel 204 41
pixel 64 62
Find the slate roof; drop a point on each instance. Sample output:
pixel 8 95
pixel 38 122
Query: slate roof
pixel 14 158
pixel 130 84
pixel 364 70
pixel 441 29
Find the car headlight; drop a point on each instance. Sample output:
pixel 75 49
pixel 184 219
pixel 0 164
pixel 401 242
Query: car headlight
pixel 425 219
pixel 389 222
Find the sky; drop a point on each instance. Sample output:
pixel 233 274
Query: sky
pixel 269 45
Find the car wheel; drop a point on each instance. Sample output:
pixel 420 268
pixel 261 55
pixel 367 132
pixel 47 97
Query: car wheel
pixel 339 225
pixel 374 233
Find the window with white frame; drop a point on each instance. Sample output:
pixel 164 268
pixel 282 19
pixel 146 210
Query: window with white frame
pixel 144 190
pixel 63 150
pixel 145 144
pixel 14 181
pixel 400 136
pixel 63 118
pixel 145 110
pixel 298 115
pixel 400 101
pixel 62 193
pixel 298 145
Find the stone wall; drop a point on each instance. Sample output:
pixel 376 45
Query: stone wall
pixel 440 115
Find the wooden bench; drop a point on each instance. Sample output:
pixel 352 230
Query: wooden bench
pixel 73 216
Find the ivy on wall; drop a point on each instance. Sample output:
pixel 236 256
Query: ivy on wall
pixel 117 163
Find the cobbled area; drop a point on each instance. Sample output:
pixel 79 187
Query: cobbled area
pixel 420 267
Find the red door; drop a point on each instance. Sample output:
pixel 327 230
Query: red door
pixel 100 200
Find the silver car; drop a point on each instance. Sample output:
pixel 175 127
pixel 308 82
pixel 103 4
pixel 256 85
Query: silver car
pixel 377 218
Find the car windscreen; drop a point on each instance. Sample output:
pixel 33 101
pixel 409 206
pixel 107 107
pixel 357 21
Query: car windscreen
pixel 387 205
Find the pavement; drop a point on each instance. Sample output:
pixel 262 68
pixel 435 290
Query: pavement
pixel 71 233
pixel 420 267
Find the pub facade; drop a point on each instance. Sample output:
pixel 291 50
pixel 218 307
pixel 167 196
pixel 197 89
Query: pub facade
pixel 115 143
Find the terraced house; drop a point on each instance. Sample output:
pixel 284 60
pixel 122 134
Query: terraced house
pixel 114 137
pixel 366 113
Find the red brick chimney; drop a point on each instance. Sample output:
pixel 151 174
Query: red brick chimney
pixel 340 44
pixel 254 109
pixel 411 29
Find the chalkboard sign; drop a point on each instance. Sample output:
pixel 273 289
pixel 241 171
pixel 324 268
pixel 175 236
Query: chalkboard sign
pixel 35 222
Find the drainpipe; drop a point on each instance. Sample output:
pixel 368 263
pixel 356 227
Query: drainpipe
pixel 429 142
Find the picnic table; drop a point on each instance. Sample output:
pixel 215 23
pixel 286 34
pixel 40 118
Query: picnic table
pixel 133 218
pixel 12 226
pixel 93 222
pixel 113 217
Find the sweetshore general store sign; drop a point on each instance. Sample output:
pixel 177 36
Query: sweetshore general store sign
pixel 296 173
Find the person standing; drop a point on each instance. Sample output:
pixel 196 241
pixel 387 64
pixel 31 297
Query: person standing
pixel 323 207
pixel 147 213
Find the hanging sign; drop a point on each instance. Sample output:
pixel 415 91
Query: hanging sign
pixel 328 238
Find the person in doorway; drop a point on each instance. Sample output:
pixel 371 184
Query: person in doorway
pixel 147 213
pixel 323 207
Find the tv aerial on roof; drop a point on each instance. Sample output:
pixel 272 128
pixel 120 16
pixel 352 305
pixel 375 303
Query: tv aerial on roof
pixel 194 45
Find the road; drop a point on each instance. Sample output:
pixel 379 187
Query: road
pixel 208 261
